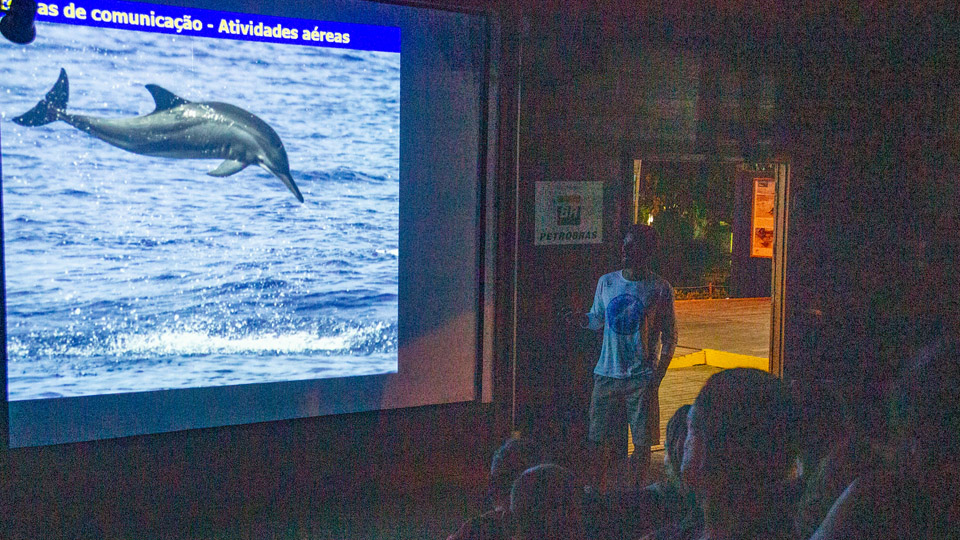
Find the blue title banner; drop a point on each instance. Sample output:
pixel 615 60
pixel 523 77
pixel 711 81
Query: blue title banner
pixel 218 24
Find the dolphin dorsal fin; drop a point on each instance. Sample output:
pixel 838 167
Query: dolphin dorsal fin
pixel 164 98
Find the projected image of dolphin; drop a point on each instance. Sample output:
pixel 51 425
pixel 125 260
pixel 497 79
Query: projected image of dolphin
pixel 178 128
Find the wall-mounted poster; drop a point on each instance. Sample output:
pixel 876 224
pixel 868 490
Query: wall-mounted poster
pixel 569 213
pixel 761 237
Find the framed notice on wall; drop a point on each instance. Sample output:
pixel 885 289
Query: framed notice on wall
pixel 569 213
pixel 761 229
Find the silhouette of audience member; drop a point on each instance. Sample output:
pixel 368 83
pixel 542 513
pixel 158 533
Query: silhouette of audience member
pixel 515 456
pixel 834 450
pixel 681 517
pixel 738 455
pixel 546 504
pixel 917 496
pixel 633 513
pixel 674 495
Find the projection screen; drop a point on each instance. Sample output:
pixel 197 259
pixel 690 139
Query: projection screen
pixel 235 216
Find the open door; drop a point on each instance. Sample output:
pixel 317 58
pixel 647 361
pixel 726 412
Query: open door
pixel 779 285
pixel 722 324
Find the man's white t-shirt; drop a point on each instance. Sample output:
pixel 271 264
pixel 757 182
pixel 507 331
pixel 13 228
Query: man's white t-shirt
pixel 638 321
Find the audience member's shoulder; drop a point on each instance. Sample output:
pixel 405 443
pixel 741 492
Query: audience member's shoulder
pixel 488 526
pixel 868 509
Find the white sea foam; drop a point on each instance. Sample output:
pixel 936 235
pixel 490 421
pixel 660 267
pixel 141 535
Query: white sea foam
pixel 189 343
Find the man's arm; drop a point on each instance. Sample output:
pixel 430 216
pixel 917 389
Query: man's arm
pixel 668 332
pixel 595 317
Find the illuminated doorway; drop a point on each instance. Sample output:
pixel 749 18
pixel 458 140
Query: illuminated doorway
pixel 722 226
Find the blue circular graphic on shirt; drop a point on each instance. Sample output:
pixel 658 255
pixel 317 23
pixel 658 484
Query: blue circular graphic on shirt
pixel 624 313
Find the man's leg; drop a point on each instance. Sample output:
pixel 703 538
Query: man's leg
pixel 640 463
pixel 607 419
pixel 638 404
pixel 602 456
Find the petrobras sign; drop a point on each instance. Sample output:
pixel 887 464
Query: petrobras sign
pixel 569 213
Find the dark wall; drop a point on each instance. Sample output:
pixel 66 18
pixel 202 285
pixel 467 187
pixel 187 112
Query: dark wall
pixel 872 102
pixel 229 481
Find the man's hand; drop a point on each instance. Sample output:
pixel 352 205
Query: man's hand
pixel 569 317
pixel 660 373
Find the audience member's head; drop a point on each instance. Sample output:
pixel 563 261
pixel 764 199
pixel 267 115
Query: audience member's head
pixel 673 445
pixel 515 456
pixel 739 451
pixel 823 418
pixel 546 504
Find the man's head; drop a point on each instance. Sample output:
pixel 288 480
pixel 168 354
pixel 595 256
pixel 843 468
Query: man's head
pixel 639 247
pixel 511 459
pixel 740 436
pixel 546 505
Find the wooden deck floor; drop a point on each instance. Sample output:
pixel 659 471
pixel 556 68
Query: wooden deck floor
pixel 736 325
pixel 679 387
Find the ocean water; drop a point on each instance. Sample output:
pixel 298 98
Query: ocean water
pixel 128 273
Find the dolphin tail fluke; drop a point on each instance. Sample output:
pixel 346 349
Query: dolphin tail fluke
pixel 51 107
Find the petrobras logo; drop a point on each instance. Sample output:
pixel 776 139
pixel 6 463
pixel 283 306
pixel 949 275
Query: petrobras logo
pixel 569 208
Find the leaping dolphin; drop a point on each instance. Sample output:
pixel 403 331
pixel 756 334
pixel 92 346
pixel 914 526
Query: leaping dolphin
pixel 177 128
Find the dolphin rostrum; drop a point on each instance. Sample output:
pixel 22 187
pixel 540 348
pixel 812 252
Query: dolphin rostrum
pixel 177 128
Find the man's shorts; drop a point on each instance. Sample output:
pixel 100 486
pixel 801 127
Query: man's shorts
pixel 614 403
